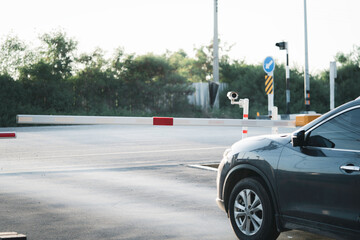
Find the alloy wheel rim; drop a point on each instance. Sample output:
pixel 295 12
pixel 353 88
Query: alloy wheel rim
pixel 248 212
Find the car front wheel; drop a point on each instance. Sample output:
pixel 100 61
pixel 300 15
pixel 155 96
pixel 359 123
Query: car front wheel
pixel 250 211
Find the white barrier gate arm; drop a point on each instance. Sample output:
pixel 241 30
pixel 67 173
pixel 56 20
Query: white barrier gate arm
pixel 167 121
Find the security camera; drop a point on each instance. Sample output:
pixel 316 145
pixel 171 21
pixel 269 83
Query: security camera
pixel 232 95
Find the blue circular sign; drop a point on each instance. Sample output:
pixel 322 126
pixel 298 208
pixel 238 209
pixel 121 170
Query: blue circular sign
pixel 269 64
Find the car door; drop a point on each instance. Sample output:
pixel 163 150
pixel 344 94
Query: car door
pixel 320 182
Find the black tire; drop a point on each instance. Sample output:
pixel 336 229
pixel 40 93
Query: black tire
pixel 254 213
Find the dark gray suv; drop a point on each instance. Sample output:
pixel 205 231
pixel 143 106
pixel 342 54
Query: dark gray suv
pixel 308 180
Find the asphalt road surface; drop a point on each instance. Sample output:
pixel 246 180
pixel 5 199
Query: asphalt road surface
pixel 115 182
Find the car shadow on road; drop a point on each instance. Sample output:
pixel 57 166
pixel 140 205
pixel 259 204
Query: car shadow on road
pixel 300 235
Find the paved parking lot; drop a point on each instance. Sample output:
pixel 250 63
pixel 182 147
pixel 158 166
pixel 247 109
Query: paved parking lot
pixel 115 182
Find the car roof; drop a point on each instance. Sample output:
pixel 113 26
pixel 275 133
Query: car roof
pixel 347 105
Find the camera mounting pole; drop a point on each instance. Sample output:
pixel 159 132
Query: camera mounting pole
pixel 244 104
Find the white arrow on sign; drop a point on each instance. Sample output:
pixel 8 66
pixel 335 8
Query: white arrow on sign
pixel 269 64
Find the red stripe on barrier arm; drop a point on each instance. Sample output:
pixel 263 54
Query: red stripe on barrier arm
pixel 245 116
pixel 7 135
pixel 245 131
pixel 167 121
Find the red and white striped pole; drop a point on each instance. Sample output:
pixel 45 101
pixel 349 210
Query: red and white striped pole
pixel 244 104
pixel 245 107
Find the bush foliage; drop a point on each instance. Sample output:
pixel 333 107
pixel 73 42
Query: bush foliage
pixel 53 79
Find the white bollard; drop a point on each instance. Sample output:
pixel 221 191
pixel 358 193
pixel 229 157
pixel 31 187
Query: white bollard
pixel 275 117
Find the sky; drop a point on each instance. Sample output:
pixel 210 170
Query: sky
pixel 155 26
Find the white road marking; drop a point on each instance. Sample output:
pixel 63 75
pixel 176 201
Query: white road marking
pixel 204 167
pixel 120 153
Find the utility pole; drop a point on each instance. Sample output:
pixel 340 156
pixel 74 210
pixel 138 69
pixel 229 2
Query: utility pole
pixel 306 73
pixel 216 52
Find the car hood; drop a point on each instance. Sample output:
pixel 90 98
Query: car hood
pixel 261 143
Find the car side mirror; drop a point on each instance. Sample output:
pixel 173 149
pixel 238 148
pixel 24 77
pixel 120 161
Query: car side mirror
pixel 320 141
pixel 298 139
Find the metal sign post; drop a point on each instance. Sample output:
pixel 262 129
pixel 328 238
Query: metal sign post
pixel 269 66
pixel 333 75
pixel 269 89
pixel 285 46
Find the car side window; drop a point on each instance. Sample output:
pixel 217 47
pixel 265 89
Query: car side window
pixel 341 132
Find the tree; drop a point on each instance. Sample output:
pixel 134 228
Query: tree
pixel 185 66
pixel 45 89
pixel 45 79
pixel 347 86
pixel 12 101
pixel 59 53
pixel 14 54
pixel 205 58
pixel 153 85
pixel 97 89
pixel 52 80
pixel 352 58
